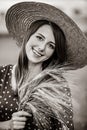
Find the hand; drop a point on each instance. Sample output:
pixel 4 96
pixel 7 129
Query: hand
pixel 19 119
pixel 5 125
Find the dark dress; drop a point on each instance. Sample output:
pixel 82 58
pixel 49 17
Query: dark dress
pixel 9 101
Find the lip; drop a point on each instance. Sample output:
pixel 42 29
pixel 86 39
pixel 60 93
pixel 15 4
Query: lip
pixel 36 52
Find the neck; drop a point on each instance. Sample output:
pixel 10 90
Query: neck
pixel 34 70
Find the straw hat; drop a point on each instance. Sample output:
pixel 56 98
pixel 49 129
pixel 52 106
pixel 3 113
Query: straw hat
pixel 21 15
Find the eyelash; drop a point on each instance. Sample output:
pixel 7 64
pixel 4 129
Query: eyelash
pixel 39 37
pixel 51 46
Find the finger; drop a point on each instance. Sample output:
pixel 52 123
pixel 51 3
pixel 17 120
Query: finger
pixel 16 118
pixel 18 123
pixel 21 113
pixel 18 127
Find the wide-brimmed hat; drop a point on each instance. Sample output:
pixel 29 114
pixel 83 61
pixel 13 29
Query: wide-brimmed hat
pixel 21 15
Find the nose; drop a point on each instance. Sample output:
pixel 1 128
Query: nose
pixel 41 47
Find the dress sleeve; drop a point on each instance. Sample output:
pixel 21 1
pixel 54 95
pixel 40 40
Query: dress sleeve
pixel 3 74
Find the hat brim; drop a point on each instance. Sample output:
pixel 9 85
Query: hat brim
pixel 21 15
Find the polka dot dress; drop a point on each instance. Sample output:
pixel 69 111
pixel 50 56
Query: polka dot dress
pixel 53 125
pixel 8 100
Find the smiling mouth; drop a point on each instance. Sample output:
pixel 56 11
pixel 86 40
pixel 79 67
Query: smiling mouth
pixel 36 52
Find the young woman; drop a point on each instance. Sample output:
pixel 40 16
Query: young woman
pixel 34 93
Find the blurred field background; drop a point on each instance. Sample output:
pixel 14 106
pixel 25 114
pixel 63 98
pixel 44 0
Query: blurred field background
pixel 76 9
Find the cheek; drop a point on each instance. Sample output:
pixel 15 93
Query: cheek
pixel 29 45
pixel 27 48
pixel 49 52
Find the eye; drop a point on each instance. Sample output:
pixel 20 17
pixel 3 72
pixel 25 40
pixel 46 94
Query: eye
pixel 52 46
pixel 39 38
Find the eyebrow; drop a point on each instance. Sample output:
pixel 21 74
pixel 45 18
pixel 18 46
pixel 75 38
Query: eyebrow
pixel 41 35
pixel 44 38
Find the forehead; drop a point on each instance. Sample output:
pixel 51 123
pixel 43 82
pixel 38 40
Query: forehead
pixel 46 31
pixel 45 28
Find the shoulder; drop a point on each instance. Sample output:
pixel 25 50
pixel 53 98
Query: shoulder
pixel 5 69
pixel 5 75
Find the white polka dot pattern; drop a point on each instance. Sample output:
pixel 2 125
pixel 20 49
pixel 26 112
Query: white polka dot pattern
pixel 8 101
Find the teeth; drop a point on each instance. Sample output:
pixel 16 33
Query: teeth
pixel 36 52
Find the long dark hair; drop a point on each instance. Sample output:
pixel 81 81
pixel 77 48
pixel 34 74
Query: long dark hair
pixel 59 55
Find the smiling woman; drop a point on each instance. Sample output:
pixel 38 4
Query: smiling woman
pixel 36 94
pixel 41 45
